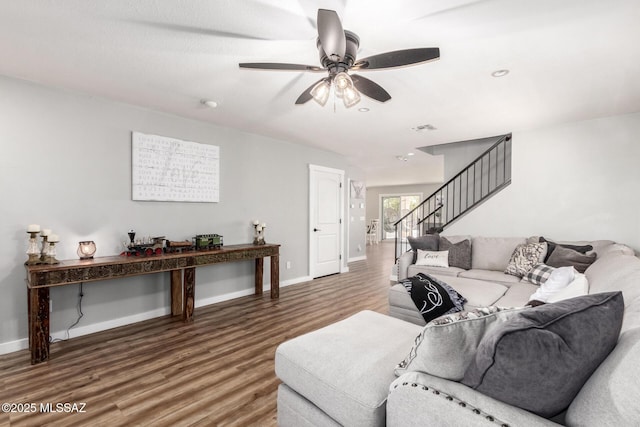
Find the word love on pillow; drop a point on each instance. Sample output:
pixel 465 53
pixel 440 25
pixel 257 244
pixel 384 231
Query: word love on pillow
pixel 432 258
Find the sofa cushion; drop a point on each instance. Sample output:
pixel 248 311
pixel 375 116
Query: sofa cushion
pixel 525 257
pixel 320 365
pixel 541 358
pixel 432 296
pixel 618 272
pixel 427 242
pixel 446 346
pixel 610 396
pixel 493 253
pixel 413 269
pixel 518 295
pixel 477 292
pixel 459 253
pixel 562 257
pixel 490 276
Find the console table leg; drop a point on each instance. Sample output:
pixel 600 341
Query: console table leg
pixel 39 324
pixel 259 273
pixel 275 276
pixel 189 293
pixel 176 292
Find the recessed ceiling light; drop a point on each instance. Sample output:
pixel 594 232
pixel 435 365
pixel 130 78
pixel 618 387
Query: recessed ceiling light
pixel 500 73
pixel 409 154
pixel 363 109
pixel 209 103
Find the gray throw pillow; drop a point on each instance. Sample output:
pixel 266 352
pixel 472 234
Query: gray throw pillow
pixel 446 346
pixel 541 358
pixel 459 253
pixel 565 257
pixel 583 249
pixel 427 242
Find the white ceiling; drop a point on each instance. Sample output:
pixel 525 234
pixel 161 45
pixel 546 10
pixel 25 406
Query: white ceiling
pixel 568 60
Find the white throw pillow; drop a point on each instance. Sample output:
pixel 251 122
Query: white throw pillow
pixel 577 288
pixel 557 281
pixel 432 258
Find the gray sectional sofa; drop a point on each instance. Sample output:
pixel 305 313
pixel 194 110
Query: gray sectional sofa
pixel 345 373
pixel 486 282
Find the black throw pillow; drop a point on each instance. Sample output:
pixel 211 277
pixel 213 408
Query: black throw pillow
pixel 583 249
pixel 433 297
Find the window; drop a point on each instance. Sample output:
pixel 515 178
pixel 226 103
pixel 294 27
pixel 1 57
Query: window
pixel 395 207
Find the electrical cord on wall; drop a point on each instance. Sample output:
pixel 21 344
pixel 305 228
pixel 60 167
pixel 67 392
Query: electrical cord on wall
pixel 80 315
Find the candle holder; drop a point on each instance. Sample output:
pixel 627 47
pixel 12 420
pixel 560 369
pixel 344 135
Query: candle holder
pixel 50 257
pixel 45 246
pixel 33 252
pixel 86 249
pixel 258 234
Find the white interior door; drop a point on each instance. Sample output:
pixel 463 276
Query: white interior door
pixel 326 230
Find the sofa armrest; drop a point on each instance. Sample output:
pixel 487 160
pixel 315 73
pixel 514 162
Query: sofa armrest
pixel 416 398
pixel 405 260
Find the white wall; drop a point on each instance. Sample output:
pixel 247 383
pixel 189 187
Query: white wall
pixel 66 165
pixel 577 181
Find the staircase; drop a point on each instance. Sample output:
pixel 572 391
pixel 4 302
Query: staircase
pixel 474 184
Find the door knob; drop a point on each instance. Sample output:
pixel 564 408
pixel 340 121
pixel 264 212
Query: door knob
pixel 316 229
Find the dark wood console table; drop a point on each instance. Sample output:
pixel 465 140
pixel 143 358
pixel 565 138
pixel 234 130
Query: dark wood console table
pixel 181 268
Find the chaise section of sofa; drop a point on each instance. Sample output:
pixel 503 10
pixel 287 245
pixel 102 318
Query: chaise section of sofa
pixel 345 369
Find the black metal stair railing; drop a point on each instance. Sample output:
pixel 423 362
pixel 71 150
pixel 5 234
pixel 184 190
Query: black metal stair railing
pixel 482 178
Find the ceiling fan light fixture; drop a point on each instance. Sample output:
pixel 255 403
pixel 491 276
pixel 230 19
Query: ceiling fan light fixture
pixel 320 92
pixel 342 81
pixel 350 96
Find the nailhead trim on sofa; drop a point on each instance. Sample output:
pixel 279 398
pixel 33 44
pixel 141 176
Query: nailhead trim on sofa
pixel 450 398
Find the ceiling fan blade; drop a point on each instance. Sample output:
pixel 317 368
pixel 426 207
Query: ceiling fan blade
pixel 370 88
pixel 397 58
pixel 278 66
pixel 306 95
pixel 331 34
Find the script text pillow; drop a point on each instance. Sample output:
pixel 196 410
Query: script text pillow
pixel 446 346
pixel 540 359
pixel 432 258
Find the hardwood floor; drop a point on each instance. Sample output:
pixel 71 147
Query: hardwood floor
pixel 217 370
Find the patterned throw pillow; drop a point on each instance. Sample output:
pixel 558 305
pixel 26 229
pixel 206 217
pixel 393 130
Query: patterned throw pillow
pixel 539 274
pixel 525 257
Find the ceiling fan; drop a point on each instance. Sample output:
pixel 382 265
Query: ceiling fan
pixel 337 48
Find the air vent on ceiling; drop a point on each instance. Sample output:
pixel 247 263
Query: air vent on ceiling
pixel 422 128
